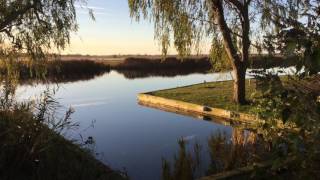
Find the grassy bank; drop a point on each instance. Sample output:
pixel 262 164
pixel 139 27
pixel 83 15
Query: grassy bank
pixel 212 94
pixel 29 150
pixel 220 94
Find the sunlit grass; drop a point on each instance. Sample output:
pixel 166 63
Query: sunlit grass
pixel 212 94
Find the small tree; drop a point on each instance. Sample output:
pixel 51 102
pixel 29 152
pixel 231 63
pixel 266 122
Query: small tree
pixel 227 22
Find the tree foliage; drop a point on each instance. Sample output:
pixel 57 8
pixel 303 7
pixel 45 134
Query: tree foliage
pixel 232 24
pixel 30 30
pixel 187 22
pixel 295 31
pixel 294 102
pixel 36 27
pixel 219 57
pixel 181 22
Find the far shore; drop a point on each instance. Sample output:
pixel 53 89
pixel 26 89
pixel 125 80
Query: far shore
pixel 77 67
pixel 116 61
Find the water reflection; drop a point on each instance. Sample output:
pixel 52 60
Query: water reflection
pixel 213 119
pixel 127 134
pixel 241 150
pixel 134 74
pixel 141 74
pixel 128 74
pixel 131 136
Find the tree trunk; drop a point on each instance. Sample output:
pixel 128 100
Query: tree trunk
pixel 238 62
pixel 239 85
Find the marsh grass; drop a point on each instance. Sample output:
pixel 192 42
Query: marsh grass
pixel 133 63
pixel 203 63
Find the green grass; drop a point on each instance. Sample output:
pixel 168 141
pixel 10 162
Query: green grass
pixel 213 94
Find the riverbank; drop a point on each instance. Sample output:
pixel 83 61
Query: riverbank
pixel 73 68
pixel 54 71
pixel 136 62
pixel 211 94
pixel 30 150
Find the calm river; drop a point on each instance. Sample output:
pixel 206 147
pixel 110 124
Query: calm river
pixel 129 136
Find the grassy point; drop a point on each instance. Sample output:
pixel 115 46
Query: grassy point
pixel 213 94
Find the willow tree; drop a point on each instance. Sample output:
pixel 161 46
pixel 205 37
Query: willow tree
pixel 231 24
pixel 34 28
pixel 187 22
pixel 30 31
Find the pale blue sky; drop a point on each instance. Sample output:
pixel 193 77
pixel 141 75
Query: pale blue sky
pixel 113 32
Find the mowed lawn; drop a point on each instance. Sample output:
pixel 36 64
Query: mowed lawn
pixel 213 94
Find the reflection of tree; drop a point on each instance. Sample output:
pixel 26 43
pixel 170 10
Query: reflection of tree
pixel 242 137
pixel 237 152
pixel 241 150
pixel 244 148
pixel 184 167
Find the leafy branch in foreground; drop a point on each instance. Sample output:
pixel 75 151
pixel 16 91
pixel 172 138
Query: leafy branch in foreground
pixel 295 102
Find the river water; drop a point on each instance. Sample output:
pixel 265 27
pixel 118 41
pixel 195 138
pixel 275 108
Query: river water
pixel 128 136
